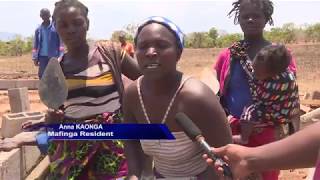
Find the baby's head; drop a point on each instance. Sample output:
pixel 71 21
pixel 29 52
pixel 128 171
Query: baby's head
pixel 270 61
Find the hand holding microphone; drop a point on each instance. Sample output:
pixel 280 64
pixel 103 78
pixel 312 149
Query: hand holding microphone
pixel 195 134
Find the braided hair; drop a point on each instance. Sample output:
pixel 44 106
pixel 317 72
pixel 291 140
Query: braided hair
pixel 265 5
pixel 62 4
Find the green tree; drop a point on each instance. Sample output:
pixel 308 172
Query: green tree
pixel 316 29
pixel 288 33
pixel 199 40
pixel 313 32
pixel 15 46
pixel 213 34
pixel 274 35
pixel 130 29
pixel 229 39
pixel 115 35
pixel 28 45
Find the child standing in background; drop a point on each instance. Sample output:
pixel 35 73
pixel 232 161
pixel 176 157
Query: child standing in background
pixel 47 43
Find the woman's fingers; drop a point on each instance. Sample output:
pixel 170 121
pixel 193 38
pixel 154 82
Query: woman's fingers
pixel 221 151
pixel 54 116
pixel 26 125
pixel 33 123
pixel 215 165
pixel 59 112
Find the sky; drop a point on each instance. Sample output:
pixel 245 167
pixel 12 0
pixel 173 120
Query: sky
pixel 22 16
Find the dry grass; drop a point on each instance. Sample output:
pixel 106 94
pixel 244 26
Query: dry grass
pixel 194 60
pixel 17 67
pixel 308 63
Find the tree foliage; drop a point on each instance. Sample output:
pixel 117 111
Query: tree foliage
pixel 313 33
pixel 129 30
pixel 227 40
pixel 287 33
pixel 115 35
pixel 16 47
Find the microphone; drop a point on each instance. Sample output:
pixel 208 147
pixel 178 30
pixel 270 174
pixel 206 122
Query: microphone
pixel 195 134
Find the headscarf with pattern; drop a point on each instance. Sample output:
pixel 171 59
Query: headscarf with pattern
pixel 168 24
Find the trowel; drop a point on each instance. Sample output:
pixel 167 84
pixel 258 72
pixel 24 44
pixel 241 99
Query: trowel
pixel 53 90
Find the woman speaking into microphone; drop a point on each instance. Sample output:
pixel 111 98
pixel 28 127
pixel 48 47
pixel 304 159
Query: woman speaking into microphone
pixel 158 96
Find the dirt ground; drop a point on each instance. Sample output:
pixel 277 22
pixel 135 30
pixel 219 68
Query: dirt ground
pixel 192 63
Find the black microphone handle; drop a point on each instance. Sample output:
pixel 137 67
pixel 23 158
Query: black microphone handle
pixel 205 146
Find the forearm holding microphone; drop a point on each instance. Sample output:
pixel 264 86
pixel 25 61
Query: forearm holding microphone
pixel 299 150
pixel 296 151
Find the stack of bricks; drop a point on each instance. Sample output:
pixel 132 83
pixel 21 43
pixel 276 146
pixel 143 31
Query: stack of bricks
pixel 17 163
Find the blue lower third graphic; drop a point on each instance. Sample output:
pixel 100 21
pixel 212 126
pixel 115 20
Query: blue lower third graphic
pixel 108 132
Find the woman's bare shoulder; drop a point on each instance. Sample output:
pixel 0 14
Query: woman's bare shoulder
pixel 195 89
pixel 196 94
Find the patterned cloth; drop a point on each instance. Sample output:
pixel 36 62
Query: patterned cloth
pixel 88 160
pixel 278 100
pixel 166 22
pixel 274 100
pixel 225 69
pixel 93 94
